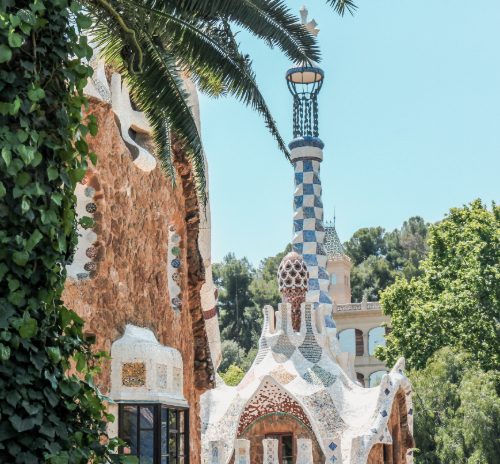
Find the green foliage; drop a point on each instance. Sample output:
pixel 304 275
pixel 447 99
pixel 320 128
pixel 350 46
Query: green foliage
pixel 47 412
pixel 232 353
pixel 459 422
pixel 238 316
pixel 379 257
pixel 455 302
pixel 243 293
pixel 233 376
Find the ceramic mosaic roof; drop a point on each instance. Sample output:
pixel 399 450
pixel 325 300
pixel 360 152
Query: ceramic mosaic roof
pixel 333 246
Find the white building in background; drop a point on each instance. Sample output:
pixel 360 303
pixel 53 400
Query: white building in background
pixel 361 327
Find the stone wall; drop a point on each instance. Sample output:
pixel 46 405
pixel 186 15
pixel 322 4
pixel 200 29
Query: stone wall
pixel 128 280
pixel 278 423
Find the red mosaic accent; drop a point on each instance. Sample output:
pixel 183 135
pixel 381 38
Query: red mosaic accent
pixel 271 399
pixel 210 313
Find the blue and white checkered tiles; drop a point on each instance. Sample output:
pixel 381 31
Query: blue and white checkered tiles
pixel 309 232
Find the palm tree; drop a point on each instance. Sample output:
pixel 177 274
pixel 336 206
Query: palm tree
pixel 151 42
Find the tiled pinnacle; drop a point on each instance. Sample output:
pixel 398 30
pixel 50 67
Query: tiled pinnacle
pixel 309 232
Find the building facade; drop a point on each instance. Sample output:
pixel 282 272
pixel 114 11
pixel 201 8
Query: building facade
pixel 361 327
pixel 141 279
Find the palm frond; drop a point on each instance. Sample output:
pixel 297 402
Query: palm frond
pixel 270 20
pixel 341 6
pixel 159 91
pixel 208 55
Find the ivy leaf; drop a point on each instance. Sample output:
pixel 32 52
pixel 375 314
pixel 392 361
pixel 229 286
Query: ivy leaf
pixel 22 425
pixel 83 22
pixel 54 354
pixel 28 328
pixel 4 353
pixel 2 190
pixel 70 388
pixel 36 94
pixel 27 16
pixel 93 158
pixel 6 155
pixel 5 53
pixel 52 173
pixel 33 240
pixel 81 362
pixel 15 39
pixel 13 397
pixel 20 257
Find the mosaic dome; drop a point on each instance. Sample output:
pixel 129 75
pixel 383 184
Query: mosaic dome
pixel 292 272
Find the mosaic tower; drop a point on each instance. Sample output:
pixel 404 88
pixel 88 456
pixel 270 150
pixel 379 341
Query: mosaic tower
pixel 304 83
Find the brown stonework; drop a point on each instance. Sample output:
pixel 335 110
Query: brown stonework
pixel 278 423
pixel 402 440
pixel 134 210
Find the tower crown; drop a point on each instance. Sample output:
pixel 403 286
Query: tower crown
pixel 304 83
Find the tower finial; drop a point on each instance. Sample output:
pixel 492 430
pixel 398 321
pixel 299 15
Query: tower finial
pixel 309 25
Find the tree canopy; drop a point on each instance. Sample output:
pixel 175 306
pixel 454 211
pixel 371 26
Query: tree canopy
pixel 457 410
pixel 379 257
pixel 455 301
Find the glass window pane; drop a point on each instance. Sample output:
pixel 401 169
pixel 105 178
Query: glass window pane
pixel 172 445
pixel 287 447
pixel 376 337
pixel 147 417
pixel 172 420
pixel 347 339
pixel 146 447
pixel 129 428
pixel 376 377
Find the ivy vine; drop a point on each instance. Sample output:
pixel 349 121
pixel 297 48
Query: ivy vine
pixel 50 410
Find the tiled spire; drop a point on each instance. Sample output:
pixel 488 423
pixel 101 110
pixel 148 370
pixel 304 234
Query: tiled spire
pixel 333 246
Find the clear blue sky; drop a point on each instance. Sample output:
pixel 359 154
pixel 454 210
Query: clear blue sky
pixel 409 113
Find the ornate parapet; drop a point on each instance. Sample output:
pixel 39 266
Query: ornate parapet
pixel 353 307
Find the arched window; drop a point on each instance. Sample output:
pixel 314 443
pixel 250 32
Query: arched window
pixel 376 377
pixel 351 341
pixel 376 337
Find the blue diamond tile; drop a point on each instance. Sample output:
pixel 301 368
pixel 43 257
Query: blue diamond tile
pixel 309 236
pixel 298 201
pixel 308 166
pixel 299 178
pixel 308 189
pixel 310 260
pixel 373 430
pixel 313 284
pixel 383 413
pixel 317 202
pixel 309 212
pixel 332 446
pixel 387 391
pixel 329 322
pixel 298 225
pixel 325 298
pixel 410 412
pixel 298 248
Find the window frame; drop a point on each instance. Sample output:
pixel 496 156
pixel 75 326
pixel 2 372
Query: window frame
pixel 279 436
pixel 157 430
